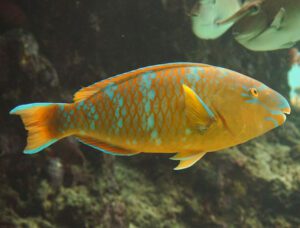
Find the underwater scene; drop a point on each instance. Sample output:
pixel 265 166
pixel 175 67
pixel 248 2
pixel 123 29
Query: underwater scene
pixel 111 112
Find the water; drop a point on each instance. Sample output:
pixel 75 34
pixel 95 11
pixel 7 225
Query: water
pixel 51 49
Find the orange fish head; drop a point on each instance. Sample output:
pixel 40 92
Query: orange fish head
pixel 265 108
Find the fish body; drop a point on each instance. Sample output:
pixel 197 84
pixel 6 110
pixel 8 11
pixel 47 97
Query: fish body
pixel 274 25
pixel 208 13
pixel 187 108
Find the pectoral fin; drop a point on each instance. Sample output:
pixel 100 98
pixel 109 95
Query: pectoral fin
pixel 198 113
pixel 248 8
pixel 288 45
pixel 278 19
pixel 184 164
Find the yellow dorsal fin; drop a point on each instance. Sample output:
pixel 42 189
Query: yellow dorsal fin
pixel 105 147
pixel 184 164
pixel 198 113
pixel 92 89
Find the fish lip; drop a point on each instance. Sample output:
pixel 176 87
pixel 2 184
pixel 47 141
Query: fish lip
pixel 286 111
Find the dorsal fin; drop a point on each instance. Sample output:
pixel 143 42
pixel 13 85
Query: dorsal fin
pixel 90 90
pixel 105 147
pixel 98 86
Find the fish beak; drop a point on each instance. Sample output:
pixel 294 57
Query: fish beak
pixel 285 106
pixel 287 110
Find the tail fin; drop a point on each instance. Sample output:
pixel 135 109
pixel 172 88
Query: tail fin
pixel 39 121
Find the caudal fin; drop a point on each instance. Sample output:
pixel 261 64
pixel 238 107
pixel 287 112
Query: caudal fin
pixel 39 121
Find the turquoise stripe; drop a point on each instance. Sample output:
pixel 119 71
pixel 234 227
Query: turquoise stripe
pixel 33 151
pixel 104 151
pixel 32 105
pixel 275 122
pixel 210 113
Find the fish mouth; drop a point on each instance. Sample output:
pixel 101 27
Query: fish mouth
pixel 286 111
pixel 279 117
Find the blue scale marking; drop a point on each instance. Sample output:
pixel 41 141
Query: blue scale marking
pixel 150 122
pixel 121 101
pixel 117 113
pixel 85 107
pixel 120 123
pixel 151 94
pixel 147 107
pixel 92 125
pixel 158 141
pixel 124 111
pixel 154 134
pixel 110 90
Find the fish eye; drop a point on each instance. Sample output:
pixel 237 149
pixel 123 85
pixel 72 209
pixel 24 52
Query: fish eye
pixel 255 9
pixel 254 92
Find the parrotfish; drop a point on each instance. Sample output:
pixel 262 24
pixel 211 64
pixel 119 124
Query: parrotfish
pixel 206 14
pixel 184 108
pixel 264 25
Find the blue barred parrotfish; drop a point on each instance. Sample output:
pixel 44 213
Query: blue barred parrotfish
pixel 184 108
pixel 265 25
pixel 207 13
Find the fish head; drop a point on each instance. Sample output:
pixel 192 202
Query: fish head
pixel 206 15
pixel 264 108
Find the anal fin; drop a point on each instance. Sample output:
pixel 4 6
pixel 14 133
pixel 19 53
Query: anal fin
pixel 105 147
pixel 184 164
pixel 278 19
